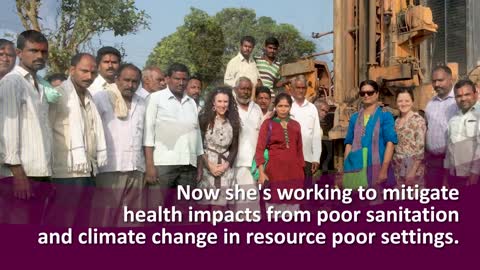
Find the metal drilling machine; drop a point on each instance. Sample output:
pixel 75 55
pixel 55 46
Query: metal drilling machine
pixel 380 40
pixel 388 41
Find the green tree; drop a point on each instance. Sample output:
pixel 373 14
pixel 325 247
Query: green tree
pixel 169 50
pixel 78 21
pixel 292 44
pixel 236 23
pixel 198 43
pixel 206 43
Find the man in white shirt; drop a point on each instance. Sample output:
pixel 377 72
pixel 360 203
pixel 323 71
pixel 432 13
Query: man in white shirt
pixel 243 65
pixel 153 80
pixel 306 114
pixel 26 135
pixel 251 118
pixel 108 61
pixel 78 144
pixel 439 110
pixel 463 149
pixel 7 57
pixel 121 179
pixel 72 162
pixel 172 138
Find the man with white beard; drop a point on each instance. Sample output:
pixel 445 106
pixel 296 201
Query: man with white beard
pixel 251 119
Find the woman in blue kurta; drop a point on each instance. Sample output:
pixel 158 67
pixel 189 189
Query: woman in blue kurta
pixel 369 143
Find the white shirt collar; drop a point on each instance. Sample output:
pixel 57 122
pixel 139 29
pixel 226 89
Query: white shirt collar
pixel 450 95
pixel 474 108
pixel 251 104
pixel 243 59
pixel 185 97
pixel 142 92
pixel 101 80
pixel 305 103
pixel 477 106
pixel 27 75
pixel 22 71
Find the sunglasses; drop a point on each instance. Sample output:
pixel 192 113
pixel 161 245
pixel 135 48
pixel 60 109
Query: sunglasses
pixel 367 93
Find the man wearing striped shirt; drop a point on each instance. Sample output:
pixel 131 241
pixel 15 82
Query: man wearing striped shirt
pixel 25 137
pixel 268 66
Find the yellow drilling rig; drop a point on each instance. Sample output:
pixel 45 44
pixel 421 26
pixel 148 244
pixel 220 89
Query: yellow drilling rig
pixel 377 40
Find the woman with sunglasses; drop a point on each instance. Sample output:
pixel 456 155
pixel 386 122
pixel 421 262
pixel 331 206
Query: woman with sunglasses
pixel 369 143
pixel 281 135
pixel 220 127
pixel 411 128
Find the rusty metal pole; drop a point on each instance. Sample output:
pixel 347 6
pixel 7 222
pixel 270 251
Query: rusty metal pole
pixel 338 56
pixel 319 35
pixel 349 43
pixel 317 54
pixel 362 39
pixel 372 32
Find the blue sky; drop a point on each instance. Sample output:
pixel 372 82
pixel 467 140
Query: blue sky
pixel 306 15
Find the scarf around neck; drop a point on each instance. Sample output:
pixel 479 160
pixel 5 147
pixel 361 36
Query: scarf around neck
pixel 77 160
pixel 118 103
pixel 368 135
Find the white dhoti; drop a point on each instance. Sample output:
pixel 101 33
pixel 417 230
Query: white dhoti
pixel 114 191
pixel 245 181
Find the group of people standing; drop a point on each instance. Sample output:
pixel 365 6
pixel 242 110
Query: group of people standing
pixel 236 131
pixel 99 130
pixel 441 149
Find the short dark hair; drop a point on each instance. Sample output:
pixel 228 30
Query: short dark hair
pixel 128 66
pixel 444 68
pixel 5 42
pixel 78 57
pixel 248 39
pixel 272 41
pixel 177 67
pixel 404 90
pixel 31 36
pixel 56 76
pixel 108 50
pixel 371 83
pixel 463 83
pixel 282 96
pixel 262 89
pixel 197 77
